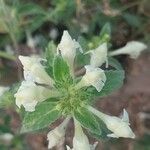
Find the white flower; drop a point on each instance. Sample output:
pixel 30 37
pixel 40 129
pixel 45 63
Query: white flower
pixel 6 138
pixel 57 135
pixel 133 48
pixel 119 126
pixel 53 33
pixel 29 94
pixel 34 71
pixel 93 76
pixel 80 140
pixel 68 148
pixel 3 89
pixel 30 41
pixel 99 56
pixel 67 47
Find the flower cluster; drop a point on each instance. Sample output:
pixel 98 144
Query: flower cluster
pixel 71 92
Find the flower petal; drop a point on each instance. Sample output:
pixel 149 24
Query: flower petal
pixel 57 135
pixel 67 47
pixel 99 55
pixel 93 77
pixel 29 94
pixel 34 71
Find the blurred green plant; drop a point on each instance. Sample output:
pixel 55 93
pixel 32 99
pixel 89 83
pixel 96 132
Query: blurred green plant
pixel 17 17
pixel 84 18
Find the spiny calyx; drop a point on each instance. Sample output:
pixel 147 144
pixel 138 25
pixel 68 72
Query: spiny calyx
pixel 72 101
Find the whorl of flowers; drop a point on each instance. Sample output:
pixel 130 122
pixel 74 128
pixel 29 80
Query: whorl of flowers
pixel 49 92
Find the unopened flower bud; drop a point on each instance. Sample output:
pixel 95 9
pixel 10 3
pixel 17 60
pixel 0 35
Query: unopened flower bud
pixel 67 47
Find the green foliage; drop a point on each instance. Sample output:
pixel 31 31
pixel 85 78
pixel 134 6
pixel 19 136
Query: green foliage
pixel 5 126
pixel 61 71
pixel 45 114
pixel 104 131
pixel 22 17
pixel 114 63
pixel 17 17
pixel 133 20
pixel 87 120
pixel 104 36
pixel 105 33
pixel 62 10
pixel 142 143
pixel 114 81
pixel 50 54
pixel 7 99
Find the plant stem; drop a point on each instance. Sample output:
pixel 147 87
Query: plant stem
pixel 7 56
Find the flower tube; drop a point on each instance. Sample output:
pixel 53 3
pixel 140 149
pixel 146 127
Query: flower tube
pixel 29 94
pixel 34 71
pixel 119 126
pixel 133 48
pixel 93 77
pixel 57 135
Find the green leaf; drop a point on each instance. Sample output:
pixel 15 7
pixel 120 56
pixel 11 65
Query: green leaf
pixel 61 70
pixel 44 114
pixel 114 63
pixel 49 54
pixel 105 30
pixel 83 42
pixel 104 130
pixel 114 81
pixel 7 99
pixel 35 22
pixel 105 33
pixel 87 120
pixel 133 20
pixel 29 9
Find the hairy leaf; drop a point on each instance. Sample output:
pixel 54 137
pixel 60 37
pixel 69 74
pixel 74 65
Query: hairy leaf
pixel 113 82
pixel 104 131
pixel 87 120
pixel 61 71
pixel 44 114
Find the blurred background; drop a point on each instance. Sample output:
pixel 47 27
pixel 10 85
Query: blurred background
pixel 27 27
